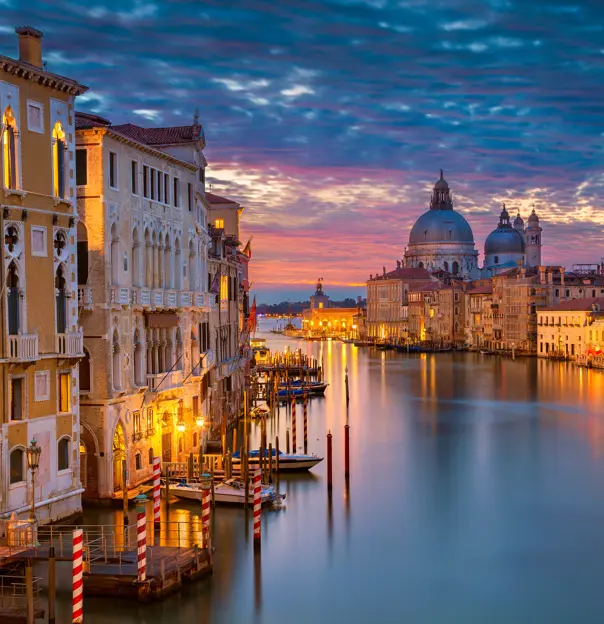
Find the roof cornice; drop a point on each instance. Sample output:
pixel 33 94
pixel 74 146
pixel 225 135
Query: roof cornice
pixel 35 74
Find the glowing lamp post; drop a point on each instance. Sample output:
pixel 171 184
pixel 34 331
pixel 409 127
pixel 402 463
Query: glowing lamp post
pixel 33 462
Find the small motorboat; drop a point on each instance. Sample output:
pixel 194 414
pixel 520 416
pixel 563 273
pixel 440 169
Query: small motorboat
pixel 288 393
pixel 315 387
pixel 289 462
pixel 229 492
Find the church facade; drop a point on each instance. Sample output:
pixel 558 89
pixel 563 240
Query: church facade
pixel 442 240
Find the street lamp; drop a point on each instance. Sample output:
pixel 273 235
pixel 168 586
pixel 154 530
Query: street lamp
pixel 33 462
pixel 180 425
pixel 199 421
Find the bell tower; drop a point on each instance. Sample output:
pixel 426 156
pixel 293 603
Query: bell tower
pixel 533 241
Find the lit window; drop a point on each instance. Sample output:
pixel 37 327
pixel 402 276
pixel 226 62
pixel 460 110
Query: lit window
pixel 9 149
pixel 219 223
pixel 63 454
pixel 65 392
pixel 59 149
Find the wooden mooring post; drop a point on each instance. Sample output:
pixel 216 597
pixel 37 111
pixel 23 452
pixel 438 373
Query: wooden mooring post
pixel 347 452
pixel 29 590
pixel 51 585
pixel 329 463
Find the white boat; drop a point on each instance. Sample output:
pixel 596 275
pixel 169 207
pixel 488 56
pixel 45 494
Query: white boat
pixel 229 492
pixel 259 411
pixel 286 461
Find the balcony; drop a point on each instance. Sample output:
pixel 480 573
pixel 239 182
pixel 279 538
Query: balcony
pixel 184 299
pixel 141 297
pixel 70 344
pixel 85 297
pixel 158 298
pixel 120 295
pixel 171 299
pixel 23 348
pixel 158 382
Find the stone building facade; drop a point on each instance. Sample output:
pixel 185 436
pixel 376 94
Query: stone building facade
pixel 41 337
pixel 143 281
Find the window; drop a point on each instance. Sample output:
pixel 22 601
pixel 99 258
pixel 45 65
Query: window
pixel 190 196
pixel 137 424
pixel 85 372
pixel 180 444
pixel 16 398
pixel 166 188
pixel 59 150
pixel 42 386
pixel 38 241
pixel 151 457
pixel 35 117
pixel 60 301
pixel 496 259
pixel 9 149
pixel 160 186
pixel 149 419
pixel 195 407
pixel 63 454
pixel 176 193
pixel 145 181
pixel 153 183
pixel 219 223
pixel 195 438
pixel 17 459
pixel 14 300
pixel 202 175
pixel 64 392
pixel 134 177
pixel 113 170
pixel 81 167
pixel 138 461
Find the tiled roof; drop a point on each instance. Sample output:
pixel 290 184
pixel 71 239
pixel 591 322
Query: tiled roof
pixel 424 286
pixel 83 121
pixel 487 289
pixel 410 273
pixel 158 136
pixel 216 199
pixel 578 305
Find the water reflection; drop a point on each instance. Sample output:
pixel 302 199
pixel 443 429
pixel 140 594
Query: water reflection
pixel 476 494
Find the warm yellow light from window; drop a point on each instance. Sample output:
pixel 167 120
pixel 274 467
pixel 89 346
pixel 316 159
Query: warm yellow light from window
pixel 219 223
pixel 431 312
pixel 9 156
pixel 57 135
pixel 224 287
pixel 320 304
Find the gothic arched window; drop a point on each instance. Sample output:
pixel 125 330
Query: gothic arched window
pixel 9 149
pixel 61 301
pixel 59 151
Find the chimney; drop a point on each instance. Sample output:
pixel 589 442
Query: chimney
pixel 541 275
pixel 562 276
pixel 30 45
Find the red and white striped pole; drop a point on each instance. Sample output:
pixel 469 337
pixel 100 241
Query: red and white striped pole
pixel 257 507
pixel 156 489
pixel 77 615
pixel 141 534
pixel 206 499
pixel 294 447
pixel 305 423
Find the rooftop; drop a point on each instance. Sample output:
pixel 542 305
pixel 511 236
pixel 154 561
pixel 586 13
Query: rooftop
pixel 578 305
pixel 217 199
pixel 409 273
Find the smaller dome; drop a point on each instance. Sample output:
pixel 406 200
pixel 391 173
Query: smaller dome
pixel 518 221
pixel 533 218
pixel 504 240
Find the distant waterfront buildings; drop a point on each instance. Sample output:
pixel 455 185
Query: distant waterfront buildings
pixel 439 298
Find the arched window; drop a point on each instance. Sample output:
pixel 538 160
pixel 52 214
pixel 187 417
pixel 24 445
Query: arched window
pixel 151 457
pixel 154 261
pixel 85 372
pixel 63 453
pixel 138 461
pixel 61 301
pixel 117 372
pixel 138 359
pixel 148 260
pixel 446 266
pixel 161 269
pixel 115 256
pixel 82 253
pixel 136 275
pixel 593 292
pixel 168 270
pixel 195 438
pixel 14 300
pixel 567 293
pixel 191 266
pixel 180 444
pixel 9 149
pixel 59 151
pixel 496 259
pixel 17 461
pixel 557 292
pixel 421 265
pixel 455 268
pixel 194 353
pixel 177 265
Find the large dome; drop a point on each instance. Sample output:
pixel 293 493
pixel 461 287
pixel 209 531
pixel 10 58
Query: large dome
pixel 441 226
pixel 504 240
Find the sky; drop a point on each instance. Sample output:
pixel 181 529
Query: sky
pixel 328 120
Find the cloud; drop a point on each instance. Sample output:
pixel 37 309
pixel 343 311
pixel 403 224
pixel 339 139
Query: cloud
pixel 330 123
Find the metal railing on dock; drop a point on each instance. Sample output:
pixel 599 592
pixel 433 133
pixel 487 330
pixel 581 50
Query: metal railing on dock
pixel 13 597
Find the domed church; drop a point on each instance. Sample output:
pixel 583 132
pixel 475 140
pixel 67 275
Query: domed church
pixel 441 238
pixel 510 246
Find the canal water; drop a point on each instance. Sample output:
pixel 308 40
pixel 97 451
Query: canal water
pixel 476 495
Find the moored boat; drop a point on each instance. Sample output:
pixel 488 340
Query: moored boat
pixel 314 387
pixel 289 462
pixel 229 492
